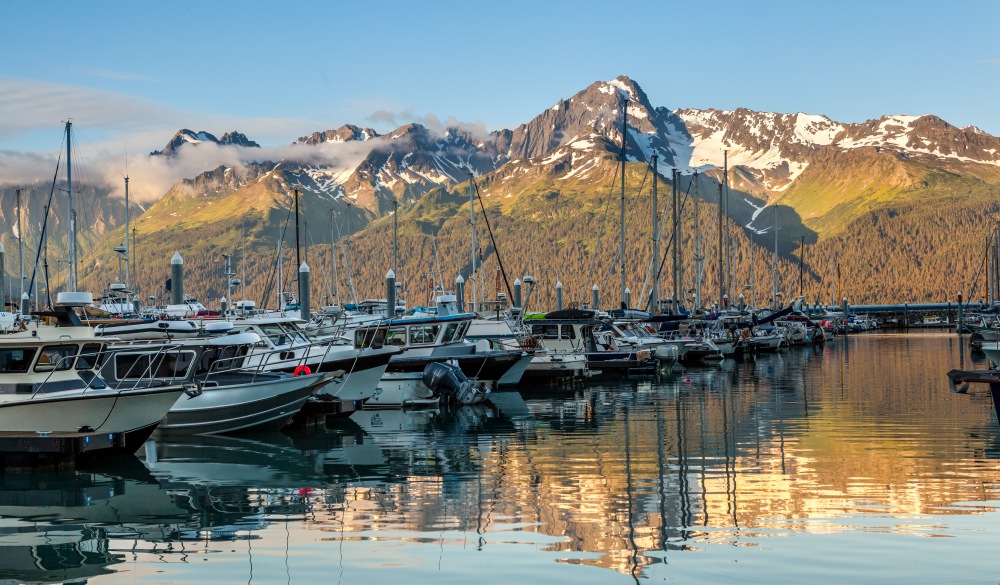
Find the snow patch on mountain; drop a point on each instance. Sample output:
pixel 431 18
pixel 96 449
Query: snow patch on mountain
pixel 811 129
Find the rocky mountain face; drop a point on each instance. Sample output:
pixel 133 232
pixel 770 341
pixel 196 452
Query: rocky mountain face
pixel 820 179
pixel 345 133
pixel 189 137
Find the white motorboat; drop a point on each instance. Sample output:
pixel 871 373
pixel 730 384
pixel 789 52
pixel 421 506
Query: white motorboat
pixel 50 383
pixel 284 347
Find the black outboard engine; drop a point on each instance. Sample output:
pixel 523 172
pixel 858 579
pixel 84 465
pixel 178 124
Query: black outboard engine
pixel 449 381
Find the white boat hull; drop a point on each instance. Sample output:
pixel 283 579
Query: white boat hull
pixel 108 411
pixel 400 389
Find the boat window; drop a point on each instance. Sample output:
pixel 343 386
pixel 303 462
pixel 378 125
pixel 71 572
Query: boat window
pixel 424 334
pixel 275 333
pixel 568 332
pixel 372 337
pixel 545 331
pixel 56 357
pixel 396 336
pixel 449 332
pixel 463 328
pixel 91 357
pixel 175 364
pixel 16 360
pixel 131 365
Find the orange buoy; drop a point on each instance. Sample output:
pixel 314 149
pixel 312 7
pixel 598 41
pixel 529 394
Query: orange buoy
pixel 302 370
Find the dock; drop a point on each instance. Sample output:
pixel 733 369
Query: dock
pixel 20 449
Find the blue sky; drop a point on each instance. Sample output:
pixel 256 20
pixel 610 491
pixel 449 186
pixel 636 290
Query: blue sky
pixel 131 73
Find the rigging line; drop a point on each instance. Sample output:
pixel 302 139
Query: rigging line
pixel 269 284
pixel 618 255
pixel 632 213
pixel 600 234
pixel 670 243
pixel 45 220
pixel 324 268
pixel 975 279
pixel 489 230
pixel 652 261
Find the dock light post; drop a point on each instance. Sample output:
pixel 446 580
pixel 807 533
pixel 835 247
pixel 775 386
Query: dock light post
pixel 960 314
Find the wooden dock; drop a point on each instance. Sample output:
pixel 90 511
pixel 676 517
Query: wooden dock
pixel 19 449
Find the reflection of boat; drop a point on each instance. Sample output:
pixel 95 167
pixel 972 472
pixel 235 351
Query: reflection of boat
pixel 264 460
pixel 56 527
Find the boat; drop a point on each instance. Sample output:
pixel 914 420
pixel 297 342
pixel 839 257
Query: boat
pixel 224 395
pixel 992 351
pixel 51 383
pixel 284 347
pixel 579 337
pixel 543 365
pixel 428 339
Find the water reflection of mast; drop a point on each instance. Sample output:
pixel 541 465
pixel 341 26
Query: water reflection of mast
pixel 729 458
pixel 628 496
pixel 684 487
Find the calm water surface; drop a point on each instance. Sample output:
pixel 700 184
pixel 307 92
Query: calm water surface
pixel 846 463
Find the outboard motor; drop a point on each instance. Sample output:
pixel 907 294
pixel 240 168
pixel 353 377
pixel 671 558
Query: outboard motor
pixel 448 380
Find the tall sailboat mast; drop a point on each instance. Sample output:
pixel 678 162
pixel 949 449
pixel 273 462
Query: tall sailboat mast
pixel 71 233
pixel 655 296
pixel 128 273
pixel 729 242
pixel 621 250
pixel 699 257
pixel 472 222
pixel 722 264
pixel 676 246
pixel 774 259
pixel 20 243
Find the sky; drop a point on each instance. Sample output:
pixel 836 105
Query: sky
pixel 130 74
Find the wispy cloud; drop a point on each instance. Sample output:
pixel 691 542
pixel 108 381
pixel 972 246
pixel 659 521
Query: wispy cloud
pixel 995 62
pixel 391 120
pixel 115 132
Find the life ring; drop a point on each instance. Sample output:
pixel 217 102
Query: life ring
pixel 745 334
pixel 529 342
pixel 302 370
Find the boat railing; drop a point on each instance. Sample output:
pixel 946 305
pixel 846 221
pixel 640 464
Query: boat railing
pixel 264 363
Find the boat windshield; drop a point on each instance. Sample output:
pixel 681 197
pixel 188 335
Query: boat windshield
pixel 91 357
pixel 16 360
pixel 279 335
pixel 56 357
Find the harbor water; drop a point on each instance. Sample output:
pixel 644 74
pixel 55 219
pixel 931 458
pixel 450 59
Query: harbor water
pixel 844 463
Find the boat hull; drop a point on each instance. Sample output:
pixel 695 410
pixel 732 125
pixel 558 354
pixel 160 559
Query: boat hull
pixel 254 406
pixel 135 412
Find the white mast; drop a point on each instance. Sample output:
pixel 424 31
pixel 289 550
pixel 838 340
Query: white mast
pixel 20 241
pixel 774 260
pixel 71 233
pixel 699 257
pixel 472 222
pixel 655 298
pixel 127 272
